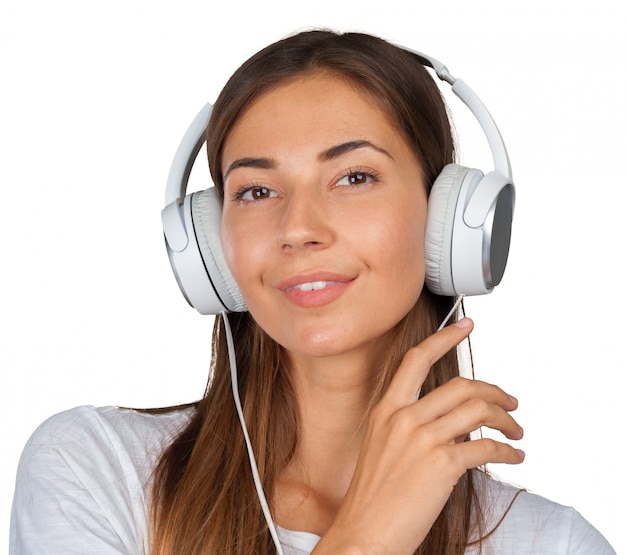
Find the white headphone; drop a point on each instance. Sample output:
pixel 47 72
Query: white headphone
pixel 468 229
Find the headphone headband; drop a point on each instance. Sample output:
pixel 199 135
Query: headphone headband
pixel 471 100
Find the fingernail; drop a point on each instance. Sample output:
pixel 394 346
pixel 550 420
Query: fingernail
pixel 463 323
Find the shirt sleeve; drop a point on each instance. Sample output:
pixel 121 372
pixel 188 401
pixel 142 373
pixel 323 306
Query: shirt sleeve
pixel 584 538
pixel 538 526
pixel 77 491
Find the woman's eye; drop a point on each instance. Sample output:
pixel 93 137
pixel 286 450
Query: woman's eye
pixel 357 179
pixel 251 194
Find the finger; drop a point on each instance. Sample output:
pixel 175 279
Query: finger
pixel 417 361
pixel 457 391
pixel 472 454
pixel 469 416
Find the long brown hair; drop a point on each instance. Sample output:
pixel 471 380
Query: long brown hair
pixel 204 500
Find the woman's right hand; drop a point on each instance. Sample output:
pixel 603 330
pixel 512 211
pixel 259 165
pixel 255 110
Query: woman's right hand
pixel 413 453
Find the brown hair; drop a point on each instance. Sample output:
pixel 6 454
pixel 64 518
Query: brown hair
pixel 204 500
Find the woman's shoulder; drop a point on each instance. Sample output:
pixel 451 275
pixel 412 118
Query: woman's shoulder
pixel 525 522
pixel 104 430
pixel 82 480
pixel 123 417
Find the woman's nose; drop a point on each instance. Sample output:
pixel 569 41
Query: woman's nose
pixel 305 223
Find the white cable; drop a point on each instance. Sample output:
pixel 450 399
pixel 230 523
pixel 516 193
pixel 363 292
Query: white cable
pixel 452 310
pixel 253 465
pixel 441 326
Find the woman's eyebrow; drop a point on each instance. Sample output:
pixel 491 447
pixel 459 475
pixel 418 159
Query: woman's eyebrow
pixel 325 156
pixel 263 163
pixel 338 150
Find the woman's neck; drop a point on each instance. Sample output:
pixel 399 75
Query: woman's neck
pixel 333 396
pixel 333 393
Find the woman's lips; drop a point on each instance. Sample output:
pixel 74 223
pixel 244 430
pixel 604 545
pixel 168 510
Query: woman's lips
pixel 315 290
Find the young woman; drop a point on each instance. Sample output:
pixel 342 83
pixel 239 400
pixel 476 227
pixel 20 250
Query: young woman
pixel 323 149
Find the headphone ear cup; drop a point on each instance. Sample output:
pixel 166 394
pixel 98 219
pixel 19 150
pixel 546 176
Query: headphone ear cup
pixel 442 204
pixel 468 231
pixel 206 213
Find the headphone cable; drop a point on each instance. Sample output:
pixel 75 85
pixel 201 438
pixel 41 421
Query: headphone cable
pixel 253 465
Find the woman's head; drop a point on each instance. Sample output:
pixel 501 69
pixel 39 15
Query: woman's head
pixel 295 100
pixel 324 216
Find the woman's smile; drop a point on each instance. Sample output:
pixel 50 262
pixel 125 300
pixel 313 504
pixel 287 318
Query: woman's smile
pixel 315 290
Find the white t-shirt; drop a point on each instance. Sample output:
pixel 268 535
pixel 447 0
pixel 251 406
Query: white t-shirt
pixel 83 488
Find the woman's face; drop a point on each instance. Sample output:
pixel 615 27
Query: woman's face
pixel 324 216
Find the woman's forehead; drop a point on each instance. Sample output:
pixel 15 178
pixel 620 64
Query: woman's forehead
pixel 319 110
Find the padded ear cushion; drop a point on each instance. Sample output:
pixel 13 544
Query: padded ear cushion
pixel 206 210
pixel 442 203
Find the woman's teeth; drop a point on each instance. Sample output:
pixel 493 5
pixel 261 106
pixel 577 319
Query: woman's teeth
pixel 312 286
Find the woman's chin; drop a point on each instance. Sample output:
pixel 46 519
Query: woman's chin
pixel 331 347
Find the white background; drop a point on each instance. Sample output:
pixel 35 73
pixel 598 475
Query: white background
pixel 94 99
